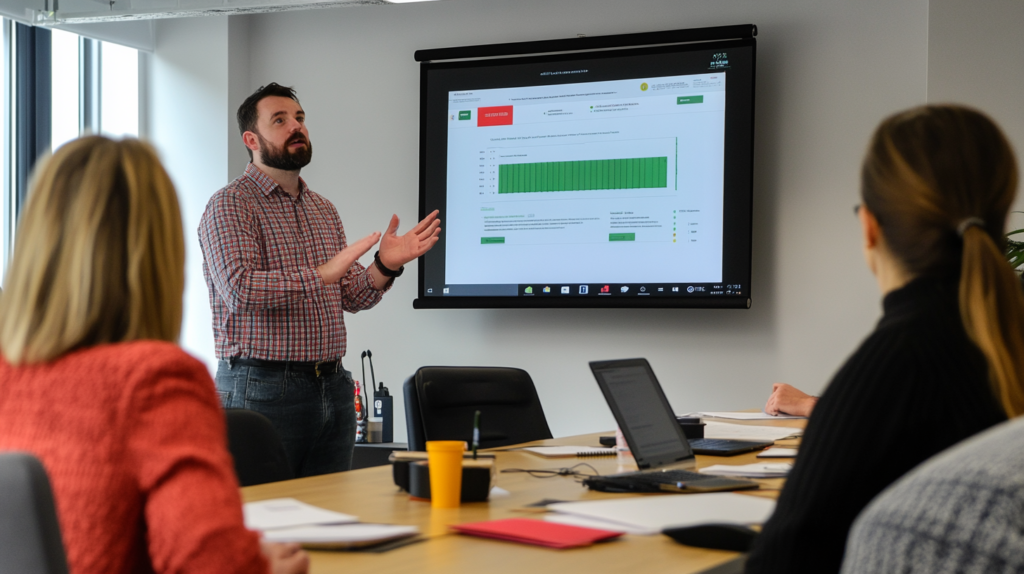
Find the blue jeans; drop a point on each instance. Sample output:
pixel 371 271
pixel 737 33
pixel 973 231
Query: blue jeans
pixel 315 416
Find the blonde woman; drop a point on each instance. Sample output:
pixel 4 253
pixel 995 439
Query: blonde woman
pixel 127 425
pixel 946 360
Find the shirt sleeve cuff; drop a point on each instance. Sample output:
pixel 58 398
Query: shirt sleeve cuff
pixel 366 282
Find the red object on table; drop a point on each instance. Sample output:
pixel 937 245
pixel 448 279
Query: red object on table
pixel 539 532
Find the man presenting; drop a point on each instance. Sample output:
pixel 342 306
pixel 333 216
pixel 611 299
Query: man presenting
pixel 280 274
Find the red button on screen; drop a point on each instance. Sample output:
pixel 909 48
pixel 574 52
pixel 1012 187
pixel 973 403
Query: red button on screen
pixel 494 116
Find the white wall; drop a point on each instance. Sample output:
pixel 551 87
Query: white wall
pixel 189 111
pixel 827 73
pixel 976 56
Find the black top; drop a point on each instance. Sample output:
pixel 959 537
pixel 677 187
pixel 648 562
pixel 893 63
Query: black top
pixel 916 386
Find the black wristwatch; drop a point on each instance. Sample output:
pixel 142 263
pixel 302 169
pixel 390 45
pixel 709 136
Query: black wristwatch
pixel 384 270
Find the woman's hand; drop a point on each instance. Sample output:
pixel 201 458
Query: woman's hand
pixel 285 558
pixel 788 400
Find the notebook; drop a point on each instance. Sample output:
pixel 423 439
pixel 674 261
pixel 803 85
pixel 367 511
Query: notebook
pixel 655 439
pixel 569 451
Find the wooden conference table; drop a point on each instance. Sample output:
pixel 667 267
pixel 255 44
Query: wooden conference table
pixel 371 495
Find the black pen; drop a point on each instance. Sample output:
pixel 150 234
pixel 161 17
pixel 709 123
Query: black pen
pixel 476 433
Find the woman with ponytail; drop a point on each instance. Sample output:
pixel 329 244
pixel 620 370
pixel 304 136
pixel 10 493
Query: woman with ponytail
pixel 946 360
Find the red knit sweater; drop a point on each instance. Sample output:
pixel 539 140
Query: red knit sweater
pixel 134 442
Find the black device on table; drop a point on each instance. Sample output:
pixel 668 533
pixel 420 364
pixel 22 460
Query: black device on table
pixel 734 537
pixel 655 438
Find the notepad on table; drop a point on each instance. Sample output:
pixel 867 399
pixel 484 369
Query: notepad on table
pixel 287 512
pixel 714 429
pixel 335 536
pixel 569 451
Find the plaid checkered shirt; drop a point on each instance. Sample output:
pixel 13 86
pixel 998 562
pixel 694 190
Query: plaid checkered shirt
pixel 261 249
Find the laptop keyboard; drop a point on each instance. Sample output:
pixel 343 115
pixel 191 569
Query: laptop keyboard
pixel 724 444
pixel 667 477
pixel 655 481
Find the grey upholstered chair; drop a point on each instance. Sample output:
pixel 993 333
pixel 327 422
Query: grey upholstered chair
pixel 30 540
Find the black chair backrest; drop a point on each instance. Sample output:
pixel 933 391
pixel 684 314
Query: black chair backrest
pixel 257 449
pixel 30 540
pixel 440 403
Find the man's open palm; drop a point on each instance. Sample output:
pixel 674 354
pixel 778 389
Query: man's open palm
pixel 397 250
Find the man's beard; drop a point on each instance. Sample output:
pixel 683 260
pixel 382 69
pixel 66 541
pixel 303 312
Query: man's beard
pixel 283 158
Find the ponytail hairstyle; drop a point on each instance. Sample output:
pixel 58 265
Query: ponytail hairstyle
pixel 99 256
pixel 940 180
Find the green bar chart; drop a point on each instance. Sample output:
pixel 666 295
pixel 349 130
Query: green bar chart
pixel 586 175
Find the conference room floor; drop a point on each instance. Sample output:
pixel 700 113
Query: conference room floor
pixel 371 495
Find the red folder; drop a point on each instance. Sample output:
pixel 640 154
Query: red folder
pixel 537 532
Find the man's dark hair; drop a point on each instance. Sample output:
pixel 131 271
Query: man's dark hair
pixel 247 115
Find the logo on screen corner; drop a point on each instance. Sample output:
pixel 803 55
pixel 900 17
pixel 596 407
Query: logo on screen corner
pixel 719 60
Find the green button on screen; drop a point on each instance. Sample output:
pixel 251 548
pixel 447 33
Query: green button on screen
pixel 690 100
pixel 491 240
pixel 465 115
pixel 622 237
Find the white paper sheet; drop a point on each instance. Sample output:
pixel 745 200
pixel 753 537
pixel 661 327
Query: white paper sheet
pixel 756 470
pixel 743 416
pixel 748 432
pixel 778 452
pixel 288 512
pixel 652 514
pixel 583 522
pixel 340 534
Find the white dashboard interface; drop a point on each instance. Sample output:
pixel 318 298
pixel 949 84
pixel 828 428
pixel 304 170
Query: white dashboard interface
pixel 588 183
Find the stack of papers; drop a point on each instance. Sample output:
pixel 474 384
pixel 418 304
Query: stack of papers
pixel 743 416
pixel 652 514
pixel 756 470
pixel 290 520
pixel 778 452
pixel 749 432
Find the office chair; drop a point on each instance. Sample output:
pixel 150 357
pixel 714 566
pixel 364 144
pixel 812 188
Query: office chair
pixel 256 447
pixel 30 540
pixel 440 403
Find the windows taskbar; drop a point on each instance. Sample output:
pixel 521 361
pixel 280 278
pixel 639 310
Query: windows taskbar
pixel 578 290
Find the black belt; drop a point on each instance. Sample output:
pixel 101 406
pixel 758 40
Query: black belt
pixel 318 367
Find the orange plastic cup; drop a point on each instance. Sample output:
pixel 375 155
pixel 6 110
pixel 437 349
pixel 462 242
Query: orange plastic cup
pixel 445 461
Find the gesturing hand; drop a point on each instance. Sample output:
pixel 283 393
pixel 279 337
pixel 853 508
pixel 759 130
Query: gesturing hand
pixel 397 250
pixel 335 269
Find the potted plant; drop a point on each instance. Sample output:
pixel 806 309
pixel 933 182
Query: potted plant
pixel 1015 249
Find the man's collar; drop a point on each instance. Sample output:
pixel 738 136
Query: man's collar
pixel 267 184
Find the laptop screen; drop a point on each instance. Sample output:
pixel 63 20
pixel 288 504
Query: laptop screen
pixel 642 412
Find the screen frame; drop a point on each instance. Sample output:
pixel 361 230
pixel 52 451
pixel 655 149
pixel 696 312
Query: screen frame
pixel 737 243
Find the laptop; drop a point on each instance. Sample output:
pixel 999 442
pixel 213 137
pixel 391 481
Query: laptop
pixel 655 438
